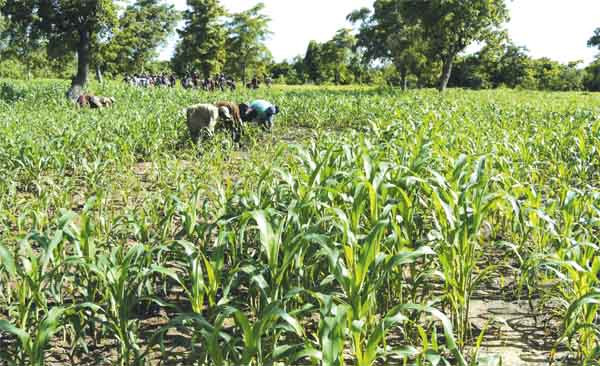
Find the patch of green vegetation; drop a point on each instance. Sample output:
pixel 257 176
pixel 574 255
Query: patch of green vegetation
pixel 356 232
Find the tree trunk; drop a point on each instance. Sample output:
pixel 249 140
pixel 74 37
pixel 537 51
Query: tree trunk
pixel 446 72
pixel 244 74
pixel 403 79
pixel 83 65
pixel 403 71
pixel 99 74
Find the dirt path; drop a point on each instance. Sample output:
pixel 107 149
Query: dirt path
pixel 513 334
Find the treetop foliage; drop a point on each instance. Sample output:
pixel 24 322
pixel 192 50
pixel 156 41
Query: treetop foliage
pixel 143 26
pixel 202 40
pixel 410 43
pixel 595 40
pixel 247 33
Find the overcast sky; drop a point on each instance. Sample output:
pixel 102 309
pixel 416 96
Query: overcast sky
pixel 558 29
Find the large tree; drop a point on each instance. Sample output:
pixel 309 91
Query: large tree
pixel 385 35
pixel 511 68
pixel 23 53
pixel 202 43
pixel 312 63
pixel 67 25
pixel 592 72
pixel 3 20
pixel 337 53
pixel 449 26
pixel 591 80
pixel 595 40
pixel 246 48
pixel 2 17
pixel 22 42
pixel 142 28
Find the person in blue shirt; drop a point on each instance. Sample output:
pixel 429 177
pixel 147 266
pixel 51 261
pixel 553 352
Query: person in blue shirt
pixel 259 111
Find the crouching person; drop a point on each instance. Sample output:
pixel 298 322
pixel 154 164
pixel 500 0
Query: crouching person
pixel 259 111
pixel 235 123
pixel 92 101
pixel 204 118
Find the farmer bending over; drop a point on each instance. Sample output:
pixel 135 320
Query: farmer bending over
pixel 259 111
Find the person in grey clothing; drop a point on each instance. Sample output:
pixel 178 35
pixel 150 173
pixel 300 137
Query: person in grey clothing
pixel 205 117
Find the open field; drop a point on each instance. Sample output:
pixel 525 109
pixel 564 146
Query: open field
pixel 370 227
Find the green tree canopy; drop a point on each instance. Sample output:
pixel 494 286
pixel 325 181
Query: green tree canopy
pixel 511 68
pixel 386 36
pixel 67 25
pixel 595 40
pixel 591 80
pixel 449 26
pixel 202 41
pixel 23 42
pixel 337 53
pixel 142 28
pixel 246 47
pixel 312 62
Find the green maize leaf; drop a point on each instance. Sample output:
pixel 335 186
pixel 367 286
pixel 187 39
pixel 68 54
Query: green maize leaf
pixel 7 261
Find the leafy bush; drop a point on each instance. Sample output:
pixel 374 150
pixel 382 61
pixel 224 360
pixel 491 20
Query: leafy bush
pixel 10 93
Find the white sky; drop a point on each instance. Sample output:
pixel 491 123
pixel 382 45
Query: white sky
pixel 558 29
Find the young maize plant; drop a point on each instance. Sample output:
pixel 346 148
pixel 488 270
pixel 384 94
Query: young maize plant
pixel 34 283
pixel 461 206
pixel 123 276
pixel 33 343
pixel 581 324
pixel 201 278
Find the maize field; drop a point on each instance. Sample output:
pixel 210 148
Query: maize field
pixel 370 227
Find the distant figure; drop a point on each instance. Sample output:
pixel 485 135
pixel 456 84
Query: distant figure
pixel 187 83
pixel 269 81
pixel 220 81
pixel 195 80
pixel 254 84
pixel 231 84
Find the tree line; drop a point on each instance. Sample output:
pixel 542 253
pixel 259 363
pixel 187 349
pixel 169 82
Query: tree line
pixel 406 43
pixel 55 37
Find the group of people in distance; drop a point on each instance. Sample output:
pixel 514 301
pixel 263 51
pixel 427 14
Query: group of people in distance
pixel 146 80
pixel 229 115
pixel 218 82
pixel 255 83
